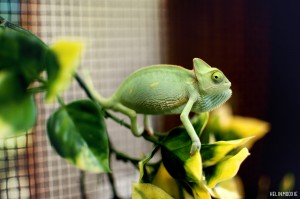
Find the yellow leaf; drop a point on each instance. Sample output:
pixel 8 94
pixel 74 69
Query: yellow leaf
pixel 246 126
pixel 239 126
pixel 229 189
pixel 200 191
pixel 166 182
pixel 68 55
pixel 213 153
pixel 193 169
pixel 148 191
pixel 227 168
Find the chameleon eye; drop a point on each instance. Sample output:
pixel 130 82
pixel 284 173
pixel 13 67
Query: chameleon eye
pixel 217 77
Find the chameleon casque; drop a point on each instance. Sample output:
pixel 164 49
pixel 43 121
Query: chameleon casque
pixel 170 89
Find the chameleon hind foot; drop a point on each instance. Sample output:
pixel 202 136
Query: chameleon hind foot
pixel 149 132
pixel 147 126
pixel 135 129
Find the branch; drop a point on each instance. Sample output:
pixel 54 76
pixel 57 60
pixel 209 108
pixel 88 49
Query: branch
pixel 82 185
pixel 124 157
pixel 37 89
pixel 113 187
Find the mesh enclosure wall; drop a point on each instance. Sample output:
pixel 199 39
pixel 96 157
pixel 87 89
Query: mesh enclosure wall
pixel 120 36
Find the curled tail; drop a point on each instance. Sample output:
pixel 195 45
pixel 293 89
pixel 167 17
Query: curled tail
pixel 114 104
pixel 107 103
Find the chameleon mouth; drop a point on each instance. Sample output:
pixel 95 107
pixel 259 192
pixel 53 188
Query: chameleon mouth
pixel 226 86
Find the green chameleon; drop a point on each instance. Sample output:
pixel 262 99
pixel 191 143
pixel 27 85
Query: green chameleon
pixel 170 89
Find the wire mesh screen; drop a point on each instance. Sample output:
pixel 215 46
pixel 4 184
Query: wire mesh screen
pixel 120 36
pixel 15 167
pixel 10 10
pixel 16 160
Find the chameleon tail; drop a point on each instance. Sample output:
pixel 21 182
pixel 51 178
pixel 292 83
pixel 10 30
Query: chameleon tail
pixel 105 102
pixel 112 103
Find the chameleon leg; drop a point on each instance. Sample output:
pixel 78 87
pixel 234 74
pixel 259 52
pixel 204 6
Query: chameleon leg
pixel 184 117
pixel 132 116
pixel 147 125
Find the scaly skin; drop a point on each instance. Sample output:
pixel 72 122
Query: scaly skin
pixel 143 97
pixel 170 89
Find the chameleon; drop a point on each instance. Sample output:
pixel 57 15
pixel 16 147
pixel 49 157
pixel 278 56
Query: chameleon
pixel 170 89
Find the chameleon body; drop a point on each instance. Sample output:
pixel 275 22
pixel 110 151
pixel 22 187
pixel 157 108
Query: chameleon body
pixel 170 89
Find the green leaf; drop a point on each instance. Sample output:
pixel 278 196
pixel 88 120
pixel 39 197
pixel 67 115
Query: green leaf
pixel 22 58
pixel 17 108
pixel 199 122
pixel 12 87
pixel 21 53
pixel 52 65
pixel 213 153
pixel 176 151
pixel 17 117
pixel 78 133
pixel 188 169
pixel 225 169
pixel 148 191
pixel 62 60
pixel 9 50
pixel 201 125
pixel 147 172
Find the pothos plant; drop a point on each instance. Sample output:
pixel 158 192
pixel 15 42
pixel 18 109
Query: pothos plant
pixel 78 133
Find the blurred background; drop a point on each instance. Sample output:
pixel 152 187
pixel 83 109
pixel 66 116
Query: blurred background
pixel 255 43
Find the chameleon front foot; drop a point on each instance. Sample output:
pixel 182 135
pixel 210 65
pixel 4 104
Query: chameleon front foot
pixel 136 130
pixel 196 145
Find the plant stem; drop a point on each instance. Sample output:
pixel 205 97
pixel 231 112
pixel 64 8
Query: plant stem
pixel 113 187
pixel 41 80
pixel 37 89
pixel 60 101
pixel 124 157
pixel 82 185
pixel 84 86
pixel 111 177
pixel 117 120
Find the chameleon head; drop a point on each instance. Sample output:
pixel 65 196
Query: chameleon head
pixel 213 85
